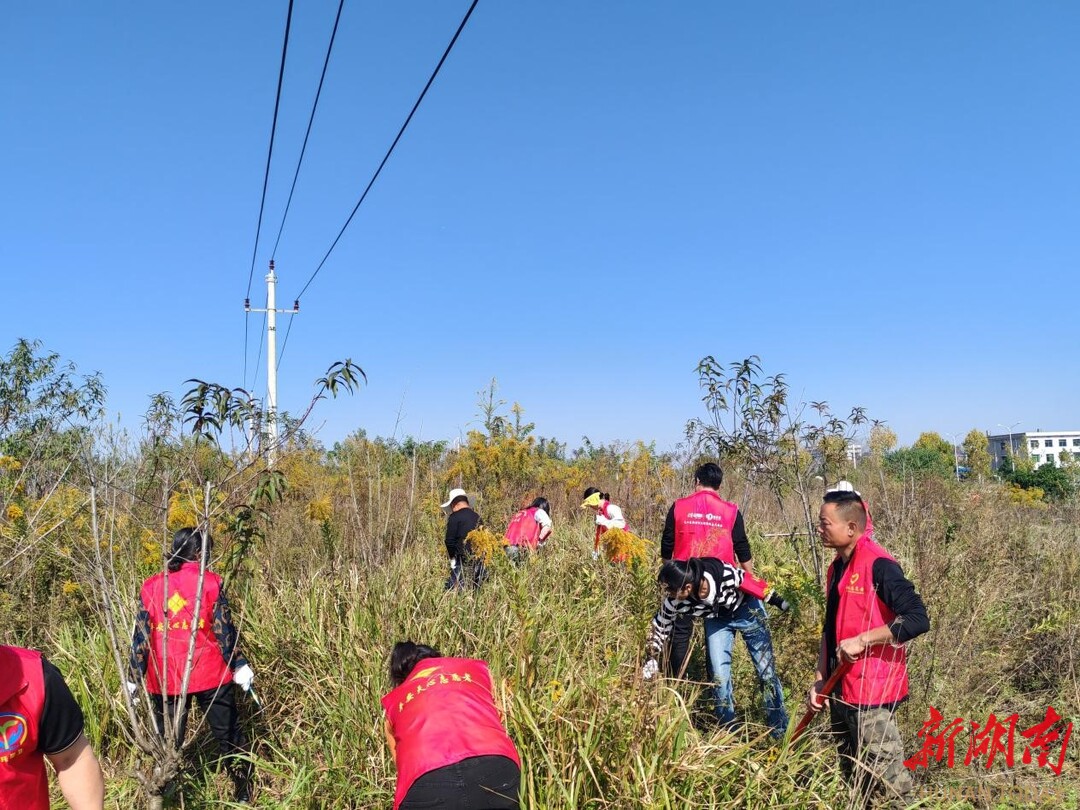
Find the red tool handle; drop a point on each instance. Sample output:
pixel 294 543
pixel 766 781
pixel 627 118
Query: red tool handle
pixel 826 690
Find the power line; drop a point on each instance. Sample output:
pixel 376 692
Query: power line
pixel 311 120
pixel 258 354
pixel 266 176
pixel 390 151
pixel 285 342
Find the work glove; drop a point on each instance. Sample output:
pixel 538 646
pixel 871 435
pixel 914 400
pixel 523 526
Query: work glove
pixel 596 555
pixel 453 563
pixel 243 677
pixel 648 672
pixel 777 601
pixel 132 688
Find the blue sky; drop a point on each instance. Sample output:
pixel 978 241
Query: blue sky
pixel 879 200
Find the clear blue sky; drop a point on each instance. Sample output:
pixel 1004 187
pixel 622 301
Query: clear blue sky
pixel 880 200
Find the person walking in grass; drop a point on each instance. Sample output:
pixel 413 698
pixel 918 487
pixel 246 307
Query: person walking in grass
pixel 871 611
pixel 40 720
pixel 160 647
pixel 528 530
pixel 465 567
pixel 713 590
pixel 446 734
pixel 608 515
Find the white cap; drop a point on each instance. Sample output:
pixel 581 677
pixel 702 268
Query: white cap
pixel 454 493
pixel 843 486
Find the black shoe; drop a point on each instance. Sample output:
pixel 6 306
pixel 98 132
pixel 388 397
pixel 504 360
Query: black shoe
pixel 241 789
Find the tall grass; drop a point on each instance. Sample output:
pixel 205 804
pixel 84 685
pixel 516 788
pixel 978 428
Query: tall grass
pixel 564 637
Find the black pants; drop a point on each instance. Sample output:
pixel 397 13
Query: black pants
pixel 476 783
pixel 469 573
pixel 679 643
pixel 219 707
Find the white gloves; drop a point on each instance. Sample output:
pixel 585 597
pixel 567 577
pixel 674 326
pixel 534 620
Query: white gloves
pixel 648 672
pixel 132 688
pixel 243 677
pixel 596 555
pixel 453 563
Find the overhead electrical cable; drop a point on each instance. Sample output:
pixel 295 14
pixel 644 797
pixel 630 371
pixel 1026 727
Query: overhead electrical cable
pixel 266 176
pixel 386 157
pixel 390 151
pixel 311 120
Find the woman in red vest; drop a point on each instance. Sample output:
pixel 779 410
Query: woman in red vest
pixel 39 720
pixel 173 609
pixel 447 734
pixel 608 515
pixel 528 529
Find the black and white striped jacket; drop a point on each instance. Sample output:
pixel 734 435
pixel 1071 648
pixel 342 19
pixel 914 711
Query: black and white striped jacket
pixel 723 597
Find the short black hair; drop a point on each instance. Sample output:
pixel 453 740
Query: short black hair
pixel 849 505
pixel 593 491
pixel 709 475
pixel 458 500
pixel 404 658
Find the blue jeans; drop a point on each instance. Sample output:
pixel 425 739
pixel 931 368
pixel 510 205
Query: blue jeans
pixel 748 619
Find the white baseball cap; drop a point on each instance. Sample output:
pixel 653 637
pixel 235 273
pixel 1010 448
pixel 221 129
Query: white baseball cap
pixel 454 493
pixel 842 486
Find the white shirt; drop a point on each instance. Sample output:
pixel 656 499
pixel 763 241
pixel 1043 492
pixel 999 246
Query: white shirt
pixel 542 517
pixel 616 519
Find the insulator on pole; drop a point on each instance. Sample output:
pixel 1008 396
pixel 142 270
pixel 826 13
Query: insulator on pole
pixel 296 305
pixel 247 305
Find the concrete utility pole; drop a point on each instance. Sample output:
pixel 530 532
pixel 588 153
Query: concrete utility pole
pixel 271 358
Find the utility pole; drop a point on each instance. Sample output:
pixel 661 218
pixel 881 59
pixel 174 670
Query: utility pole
pixel 271 358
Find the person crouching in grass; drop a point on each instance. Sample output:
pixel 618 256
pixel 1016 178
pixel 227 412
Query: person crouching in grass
pixel 446 734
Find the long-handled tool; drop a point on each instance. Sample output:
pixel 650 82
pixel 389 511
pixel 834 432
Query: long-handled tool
pixel 826 690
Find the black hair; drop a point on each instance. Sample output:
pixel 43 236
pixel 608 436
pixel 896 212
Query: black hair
pixel 593 491
pixel 186 546
pixel 404 658
pixel 850 506
pixel 676 574
pixel 458 500
pixel 709 475
pixel 541 503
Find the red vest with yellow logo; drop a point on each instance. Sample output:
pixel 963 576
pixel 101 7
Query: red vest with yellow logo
pixel 23 785
pixel 523 529
pixel 703 524
pixel 444 712
pixel 879 676
pixel 172 615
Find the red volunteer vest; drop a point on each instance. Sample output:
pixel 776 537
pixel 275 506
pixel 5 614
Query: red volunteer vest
pixel 444 712
pixel 175 612
pixel 523 529
pixel 703 524
pixel 880 675
pixel 23 785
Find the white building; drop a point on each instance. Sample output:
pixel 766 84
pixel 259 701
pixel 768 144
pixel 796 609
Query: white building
pixel 1041 446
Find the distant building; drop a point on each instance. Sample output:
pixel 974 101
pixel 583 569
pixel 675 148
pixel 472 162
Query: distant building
pixel 1041 446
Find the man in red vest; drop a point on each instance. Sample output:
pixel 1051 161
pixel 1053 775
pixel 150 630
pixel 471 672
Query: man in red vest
pixel 705 525
pixel 39 720
pixel 871 611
